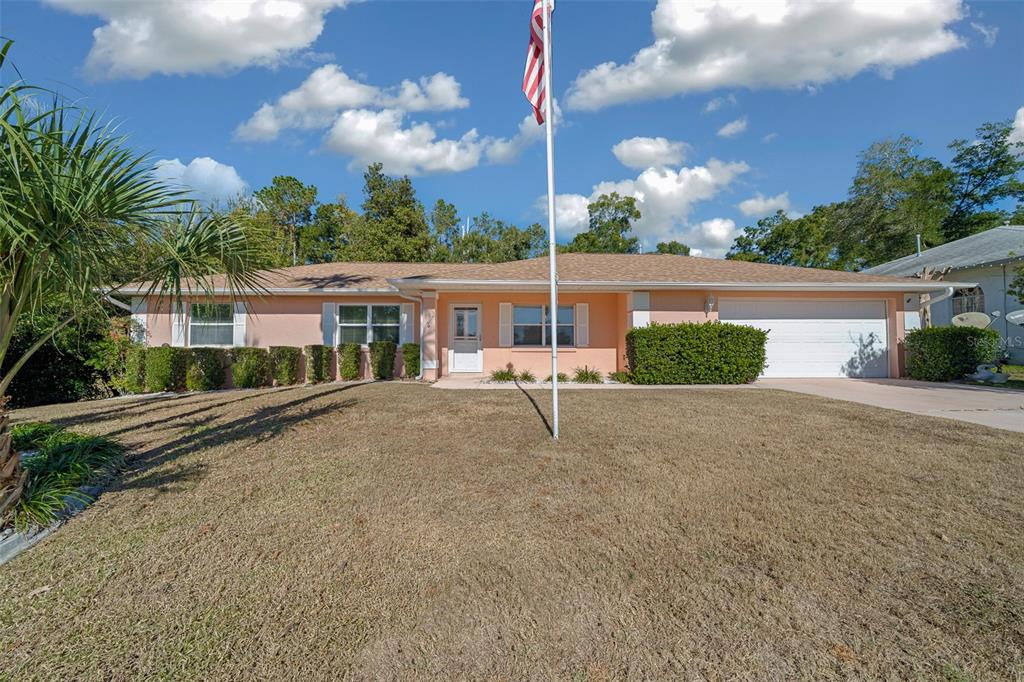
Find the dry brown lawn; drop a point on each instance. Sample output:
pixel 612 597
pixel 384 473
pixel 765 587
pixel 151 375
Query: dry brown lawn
pixel 400 531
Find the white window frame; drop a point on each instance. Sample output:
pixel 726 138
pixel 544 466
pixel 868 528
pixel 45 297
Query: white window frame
pixel 545 342
pixel 193 323
pixel 368 325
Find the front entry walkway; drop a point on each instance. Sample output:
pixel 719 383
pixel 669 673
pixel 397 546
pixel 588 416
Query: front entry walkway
pixel 996 407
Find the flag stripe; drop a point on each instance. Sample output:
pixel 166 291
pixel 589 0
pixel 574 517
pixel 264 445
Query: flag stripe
pixel 533 78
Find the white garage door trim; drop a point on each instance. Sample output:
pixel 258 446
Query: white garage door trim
pixel 817 337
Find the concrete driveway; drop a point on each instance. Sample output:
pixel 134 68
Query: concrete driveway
pixel 996 407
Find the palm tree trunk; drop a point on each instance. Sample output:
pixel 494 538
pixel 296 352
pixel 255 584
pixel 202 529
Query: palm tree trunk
pixel 12 474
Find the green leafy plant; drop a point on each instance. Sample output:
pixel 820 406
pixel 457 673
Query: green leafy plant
pixel 411 359
pixel 250 367
pixel 562 378
pixel 619 377
pixel 382 359
pixel 31 435
pixel 503 376
pixel 526 377
pixel 350 356
pixel 318 363
pixel 166 368
pixel 586 375
pixel 109 354
pixel 135 369
pixel 948 353
pixel 284 364
pixel 206 369
pixel 695 353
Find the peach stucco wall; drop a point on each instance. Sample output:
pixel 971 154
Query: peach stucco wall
pixel 604 352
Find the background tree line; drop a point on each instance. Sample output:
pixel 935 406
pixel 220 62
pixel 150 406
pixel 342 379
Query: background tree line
pixel 895 195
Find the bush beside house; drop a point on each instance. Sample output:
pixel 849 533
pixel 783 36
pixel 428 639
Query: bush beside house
pixel 284 364
pixel 250 367
pixel 695 353
pixel 382 359
pixel 206 369
pixel 411 360
pixel 135 369
pixel 318 363
pixel 948 353
pixel 166 368
pixel 349 359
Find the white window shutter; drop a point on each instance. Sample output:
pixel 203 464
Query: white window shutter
pixel 238 339
pixel 328 323
pixel 139 309
pixel 505 324
pixel 179 324
pixel 582 319
pixel 406 333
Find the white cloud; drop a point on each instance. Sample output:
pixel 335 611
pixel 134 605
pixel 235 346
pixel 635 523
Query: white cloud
pixel 708 44
pixel 506 150
pixel 665 198
pixel 198 36
pixel 733 128
pixel 1017 133
pixel 369 136
pixel 988 33
pixel 717 103
pixel 206 180
pixel 759 205
pixel 329 90
pixel 769 137
pixel 648 152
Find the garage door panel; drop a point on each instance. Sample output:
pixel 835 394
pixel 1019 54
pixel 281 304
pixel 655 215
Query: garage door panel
pixel 817 338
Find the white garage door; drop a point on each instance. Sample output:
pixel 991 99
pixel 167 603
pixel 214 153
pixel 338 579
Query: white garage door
pixel 817 338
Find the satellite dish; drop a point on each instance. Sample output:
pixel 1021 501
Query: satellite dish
pixel 1016 317
pixel 979 320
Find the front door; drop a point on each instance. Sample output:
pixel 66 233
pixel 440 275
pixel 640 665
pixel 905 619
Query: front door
pixel 467 352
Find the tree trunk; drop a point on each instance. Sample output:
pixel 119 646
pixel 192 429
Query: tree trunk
pixel 12 474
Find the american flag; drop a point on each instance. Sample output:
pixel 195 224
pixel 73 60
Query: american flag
pixel 533 79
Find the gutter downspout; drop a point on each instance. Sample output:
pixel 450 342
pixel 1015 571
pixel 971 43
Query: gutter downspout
pixel 120 304
pixel 419 377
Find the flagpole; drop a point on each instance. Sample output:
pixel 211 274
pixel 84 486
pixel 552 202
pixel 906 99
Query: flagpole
pixel 549 119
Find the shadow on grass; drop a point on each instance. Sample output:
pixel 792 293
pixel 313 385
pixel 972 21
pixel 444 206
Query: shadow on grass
pixel 536 407
pixel 256 427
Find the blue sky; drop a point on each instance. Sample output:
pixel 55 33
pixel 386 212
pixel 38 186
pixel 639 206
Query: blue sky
pixel 804 89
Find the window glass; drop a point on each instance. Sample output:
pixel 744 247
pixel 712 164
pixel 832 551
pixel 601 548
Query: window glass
pixel 530 326
pixel 527 314
pixel 385 333
pixel 352 334
pixel 386 314
pixel 352 314
pixel 527 335
pixel 211 312
pixel 211 324
pixel 566 336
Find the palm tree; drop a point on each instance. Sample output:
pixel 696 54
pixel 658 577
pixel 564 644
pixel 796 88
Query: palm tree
pixel 74 198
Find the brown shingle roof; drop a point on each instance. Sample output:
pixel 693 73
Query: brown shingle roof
pixel 572 267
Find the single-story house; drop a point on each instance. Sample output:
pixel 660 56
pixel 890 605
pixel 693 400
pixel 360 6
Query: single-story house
pixel 989 259
pixel 472 318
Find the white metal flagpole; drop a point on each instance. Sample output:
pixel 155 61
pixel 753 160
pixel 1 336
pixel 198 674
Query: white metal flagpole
pixel 549 120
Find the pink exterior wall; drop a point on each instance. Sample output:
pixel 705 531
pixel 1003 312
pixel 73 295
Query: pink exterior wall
pixel 604 351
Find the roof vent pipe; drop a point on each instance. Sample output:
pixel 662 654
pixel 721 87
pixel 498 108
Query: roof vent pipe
pixel 918 244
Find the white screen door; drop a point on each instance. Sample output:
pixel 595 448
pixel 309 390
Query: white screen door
pixel 467 354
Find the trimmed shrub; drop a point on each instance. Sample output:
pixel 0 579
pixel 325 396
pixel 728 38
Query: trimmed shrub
pixel 382 359
pixel 318 364
pixel 695 353
pixel 503 376
pixel 135 369
pixel 586 375
pixel 206 369
pixel 948 353
pixel 250 367
pixel 284 364
pixel 350 356
pixel 166 368
pixel 411 359
pixel 527 377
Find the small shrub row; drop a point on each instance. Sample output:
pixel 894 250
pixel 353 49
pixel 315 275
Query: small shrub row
pixel 948 353
pixel 62 462
pixel 695 353
pixel 349 360
pixel 166 368
pixel 206 369
pixel 382 359
pixel 285 364
pixel 581 375
pixel 250 367
pixel 318 363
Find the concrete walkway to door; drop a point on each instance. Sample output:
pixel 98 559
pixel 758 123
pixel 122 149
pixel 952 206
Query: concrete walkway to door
pixel 996 407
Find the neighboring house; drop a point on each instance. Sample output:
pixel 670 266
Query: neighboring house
pixel 989 259
pixel 473 318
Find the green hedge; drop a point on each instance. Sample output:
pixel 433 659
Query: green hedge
pixel 166 368
pixel 411 359
pixel 318 363
pixel 250 367
pixel 135 369
pixel 349 360
pixel 206 369
pixel 382 359
pixel 695 353
pixel 284 364
pixel 948 353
